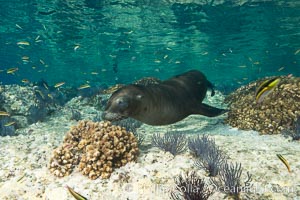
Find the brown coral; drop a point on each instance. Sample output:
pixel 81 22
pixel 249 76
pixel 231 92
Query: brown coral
pixel 98 147
pixel 278 111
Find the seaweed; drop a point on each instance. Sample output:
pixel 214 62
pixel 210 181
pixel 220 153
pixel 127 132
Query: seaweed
pixel 191 187
pixel 229 180
pixel 173 142
pixel 209 155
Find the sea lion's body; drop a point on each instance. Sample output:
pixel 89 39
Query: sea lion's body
pixel 165 103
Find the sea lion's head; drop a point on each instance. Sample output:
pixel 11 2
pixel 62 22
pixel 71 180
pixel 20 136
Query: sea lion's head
pixel 123 103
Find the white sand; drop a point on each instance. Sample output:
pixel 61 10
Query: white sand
pixel 153 175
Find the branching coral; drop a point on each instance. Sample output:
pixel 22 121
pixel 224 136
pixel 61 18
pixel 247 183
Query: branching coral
pixel 98 147
pixel 229 181
pixel 210 157
pixel 131 125
pixel 191 187
pixel 173 142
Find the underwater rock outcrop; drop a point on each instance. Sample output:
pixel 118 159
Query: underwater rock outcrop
pixel 97 147
pixel 27 104
pixel 278 111
pixel 5 127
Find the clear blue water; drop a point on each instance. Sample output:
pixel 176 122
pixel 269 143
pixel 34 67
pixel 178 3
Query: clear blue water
pixel 232 42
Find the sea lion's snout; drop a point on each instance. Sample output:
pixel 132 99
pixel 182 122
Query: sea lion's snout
pixel 112 116
pixel 116 109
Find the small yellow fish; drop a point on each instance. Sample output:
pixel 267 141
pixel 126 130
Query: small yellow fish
pixel 177 62
pixel 84 86
pixel 25 58
pixel 76 195
pixel 12 70
pixel 9 123
pixel 242 66
pixel 281 68
pixel 59 84
pixel 266 88
pixel 166 56
pixel 129 32
pixel 50 96
pixel 42 62
pixel 256 63
pixel 94 73
pixel 25 80
pixel 204 53
pixel 18 26
pixel 3 113
pixel 38 37
pixel 157 61
pixel 296 52
pixel 76 47
pixel 23 43
pixel 285 162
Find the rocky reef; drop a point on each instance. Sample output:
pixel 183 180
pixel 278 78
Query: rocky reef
pixel 277 112
pixel 97 147
pixel 28 104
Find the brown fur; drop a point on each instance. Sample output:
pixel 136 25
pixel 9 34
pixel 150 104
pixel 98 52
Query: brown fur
pixel 164 103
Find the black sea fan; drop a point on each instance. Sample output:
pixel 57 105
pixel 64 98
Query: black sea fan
pixel 212 161
pixel 173 142
pixel 229 180
pixel 210 157
pixel 200 145
pixel 191 187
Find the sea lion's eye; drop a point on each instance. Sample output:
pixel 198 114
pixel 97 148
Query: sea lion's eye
pixel 122 104
pixel 139 96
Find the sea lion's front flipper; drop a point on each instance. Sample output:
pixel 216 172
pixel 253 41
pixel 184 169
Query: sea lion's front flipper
pixel 209 111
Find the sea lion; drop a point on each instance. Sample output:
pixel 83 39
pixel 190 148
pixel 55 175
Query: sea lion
pixel 165 103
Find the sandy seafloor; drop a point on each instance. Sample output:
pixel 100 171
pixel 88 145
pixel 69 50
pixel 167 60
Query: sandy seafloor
pixel 24 159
